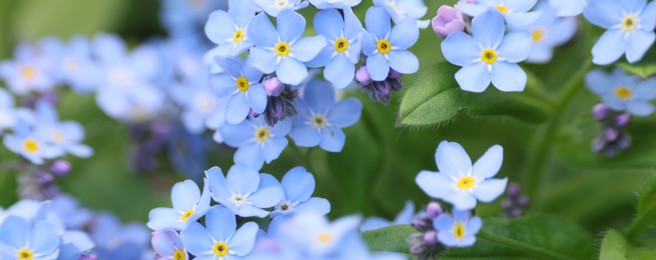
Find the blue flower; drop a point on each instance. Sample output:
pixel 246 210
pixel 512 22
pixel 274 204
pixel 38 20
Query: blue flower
pixel 9 115
pixel 568 7
pixel 403 218
pixel 623 92
pixel 320 120
pixel 344 46
pixel 228 29
pixel 385 47
pixel 240 85
pixel 336 4
pixel 72 62
pixel 282 50
pixel 401 9
pixel 30 145
pixel 20 241
pixel 182 18
pixel 221 239
pixel 548 32
pixel 65 135
pixel 298 186
pixel 117 241
pixel 515 12
pixel 461 183
pixel 28 72
pixel 630 29
pixel 488 55
pixel 187 152
pixel 201 106
pixel 168 245
pixel 458 230
pixel 275 7
pixel 256 141
pixel 188 206
pixel 244 191
pixel 314 236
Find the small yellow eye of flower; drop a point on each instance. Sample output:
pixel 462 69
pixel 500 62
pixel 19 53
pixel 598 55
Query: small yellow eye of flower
pixel 179 255
pixel 538 34
pixel 70 65
pixel 502 8
pixel 466 182
pixel 341 45
pixel 242 84
pixel 25 254
pixel 623 92
pixel 319 121
pixel 489 56
pixel 393 6
pixel 281 3
pixel 187 214
pixel 262 134
pixel 30 145
pixel 58 137
pixel 459 231
pixel 238 36
pixel 28 72
pixel 324 238
pixel 384 46
pixel 282 49
pixel 629 23
pixel 221 249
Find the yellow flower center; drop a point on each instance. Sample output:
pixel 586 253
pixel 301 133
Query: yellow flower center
pixel 58 136
pixel 282 49
pixel 502 8
pixel 319 121
pixel 70 65
pixel 384 46
pixel 179 255
pixel 28 72
pixel 393 6
pixel 466 182
pixel 30 145
pixel 187 214
pixel 262 134
pixel 281 3
pixel 629 23
pixel 489 56
pixel 341 45
pixel 459 231
pixel 221 249
pixel 238 36
pixel 238 199
pixel 242 84
pixel 538 34
pixel 324 238
pixel 623 92
pixel 25 254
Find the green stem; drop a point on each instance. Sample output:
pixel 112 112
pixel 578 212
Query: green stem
pixel 639 224
pixel 521 246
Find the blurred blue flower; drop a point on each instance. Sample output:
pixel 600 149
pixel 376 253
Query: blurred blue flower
pixel 313 236
pixel 244 191
pixel 320 119
pixel 9 115
pixel 72 63
pixel 458 181
pixel 336 4
pixel 71 212
pixel 274 7
pixel 283 50
pixel 240 85
pixel 488 55
pixel 187 152
pixel 548 32
pixel 385 46
pixel 201 106
pixel 228 29
pixel 630 29
pixel 515 12
pixel 30 145
pixel 188 206
pixel 182 18
pixel 65 135
pixel 403 218
pixel 256 141
pixel 458 230
pixel 298 186
pixel 20 241
pixel 402 9
pixel 117 241
pixel 344 45
pixel 168 245
pixel 28 72
pixel 568 7
pixel 623 92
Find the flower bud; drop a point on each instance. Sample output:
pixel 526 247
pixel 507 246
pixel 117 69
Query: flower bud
pixel 430 238
pixel 273 86
pixel 447 21
pixel 362 76
pixel 600 112
pixel 622 120
pixel 433 210
pixel 61 167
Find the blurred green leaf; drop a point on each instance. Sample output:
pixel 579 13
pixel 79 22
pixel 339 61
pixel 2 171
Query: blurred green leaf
pixel 646 211
pixel 647 199
pixel 390 239
pixel 434 98
pixel 645 68
pixel 613 247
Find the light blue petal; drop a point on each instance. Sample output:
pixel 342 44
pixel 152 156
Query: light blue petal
pixel 291 71
pixel 261 32
pixel 329 23
pixel 520 5
pixel 488 29
pixel 193 121
pixel 333 140
pixel 323 58
pixel 237 135
pixel 345 113
pixel 378 22
pixel 452 160
pixel 373 223
pixel 282 128
pixel 598 82
pixel 473 77
pixel 268 194
pixel 318 205
pixel 257 98
pixel 473 226
pixel 645 89
pixel 413 8
pixel 443 223
pixel 242 11
pixel 196 239
pixel 79 150
pixel 522 19
pixel 467 241
pixel 377 67
pixel 508 77
pixel 305 135
pixel 217 183
pixel 461 215
pixel 251 73
pixel 290 25
pixel 489 164
pixel 490 189
pixel 515 47
pixel 243 180
pixel 273 148
pixel 340 72
pixel 163 218
pixel 162 242
pixel 648 17
pixel 404 34
pixel 223 84
pixel 307 48
pixel 352 26
pixel 604 13
pixel 368 44
pixel 462 200
pixel 637 44
pixel 472 10
pixel 434 184
pixel 460 49
pixel 237 109
pixel 568 7
pixel 219 27
pixel 609 47
pixel 221 223
pixel 640 107
pixel 406 215
pixel 632 6
pixel 14 232
pixel 250 156
pixel 403 61
pixel 44 238
pixel 244 240
pixel 231 66
pixel 184 195
pixel 298 184
pixel 250 211
pixel 447 238
pixel 320 96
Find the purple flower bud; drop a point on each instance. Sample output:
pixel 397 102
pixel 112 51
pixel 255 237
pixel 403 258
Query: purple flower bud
pixel 599 144
pixel 61 167
pixel 50 97
pixel 611 133
pixel 513 190
pixel 622 120
pixel 625 141
pixel 430 238
pixel 45 177
pixel 393 74
pixel 507 204
pixel 421 224
pixel 433 210
pixel 87 257
pixel 362 76
pixel 523 201
pixel 447 21
pixel 600 112
pixel 273 86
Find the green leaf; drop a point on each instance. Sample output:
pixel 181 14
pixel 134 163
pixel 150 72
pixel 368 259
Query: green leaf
pixel 646 211
pixel 434 98
pixel 613 247
pixel 391 239
pixel 530 237
pixel 645 68
pixel 647 199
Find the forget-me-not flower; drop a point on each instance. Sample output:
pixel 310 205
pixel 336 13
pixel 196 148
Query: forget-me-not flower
pixel 386 47
pixel 403 218
pixel 320 120
pixel 30 145
pixel 9 115
pixel 256 141
pixel 488 55
pixel 240 85
pixel 298 186
pixel 189 204
pixel 458 230
pixel 401 9
pixel 343 50
pixel 72 63
pixel 315 236
pixel 568 7
pixel 275 7
pixel 28 72
pixel 623 92
pixel 336 4
pixel 201 106
pixel 515 12
pixel 115 240
pixel 66 135
pixel 548 32
pixel 20 241
pixel 283 50
pixel 168 245
pixel 228 29
pixel 458 181
pixel 630 29
pixel 244 191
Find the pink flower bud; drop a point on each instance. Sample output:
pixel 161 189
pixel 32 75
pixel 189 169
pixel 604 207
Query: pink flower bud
pixel 447 21
pixel 273 86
